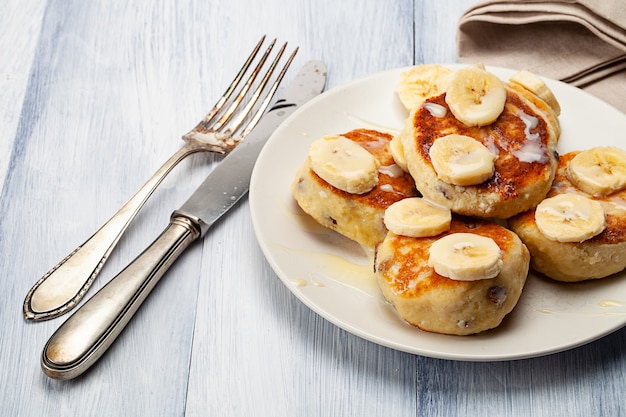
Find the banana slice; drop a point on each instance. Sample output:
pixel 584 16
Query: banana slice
pixel 461 160
pixel 599 171
pixel 416 217
pixel 344 164
pixel 535 85
pixel 476 97
pixel 397 152
pixel 421 82
pixel 465 257
pixel 570 218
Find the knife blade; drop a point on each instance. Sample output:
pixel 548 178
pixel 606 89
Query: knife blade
pixel 81 340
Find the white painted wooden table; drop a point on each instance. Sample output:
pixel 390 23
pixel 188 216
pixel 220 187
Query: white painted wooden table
pixel 94 96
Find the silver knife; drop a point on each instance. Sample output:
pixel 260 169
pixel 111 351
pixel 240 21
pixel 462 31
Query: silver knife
pixel 87 334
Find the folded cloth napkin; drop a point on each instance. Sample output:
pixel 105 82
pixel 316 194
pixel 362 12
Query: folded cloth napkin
pixel 582 42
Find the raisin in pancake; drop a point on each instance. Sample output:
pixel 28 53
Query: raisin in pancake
pixel 524 139
pixel 358 217
pixel 438 304
pixel 597 257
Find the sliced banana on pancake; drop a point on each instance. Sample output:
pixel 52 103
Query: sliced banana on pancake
pixel 461 160
pixel 416 217
pixel 422 82
pixel 475 96
pixel 599 171
pixel 397 152
pixel 538 87
pixel 344 164
pixel 466 257
pixel 570 218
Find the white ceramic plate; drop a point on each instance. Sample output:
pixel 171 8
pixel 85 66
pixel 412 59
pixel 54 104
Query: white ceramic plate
pixel 332 276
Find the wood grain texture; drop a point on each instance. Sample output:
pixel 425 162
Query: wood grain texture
pixel 95 96
pixel 21 25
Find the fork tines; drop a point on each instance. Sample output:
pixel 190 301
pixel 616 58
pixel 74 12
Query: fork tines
pixel 248 115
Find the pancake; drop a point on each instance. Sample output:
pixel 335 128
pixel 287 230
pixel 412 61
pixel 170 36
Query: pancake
pixel 597 257
pixel 438 304
pixel 359 217
pixel 524 138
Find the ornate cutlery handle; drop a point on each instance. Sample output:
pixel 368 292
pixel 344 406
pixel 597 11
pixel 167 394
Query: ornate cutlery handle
pixel 59 290
pixel 85 336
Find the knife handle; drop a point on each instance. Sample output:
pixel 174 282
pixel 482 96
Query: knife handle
pixel 87 334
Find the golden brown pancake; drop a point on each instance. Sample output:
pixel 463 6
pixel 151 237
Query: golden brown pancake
pixel 524 138
pixel 358 217
pixel 438 304
pixel 598 257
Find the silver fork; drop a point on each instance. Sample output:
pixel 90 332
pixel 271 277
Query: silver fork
pixel 61 288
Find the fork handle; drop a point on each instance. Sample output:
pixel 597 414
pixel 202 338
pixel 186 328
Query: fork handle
pixel 89 332
pixel 61 288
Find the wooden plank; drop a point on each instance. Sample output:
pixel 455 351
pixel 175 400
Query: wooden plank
pixel 113 87
pixel 21 23
pixel 257 349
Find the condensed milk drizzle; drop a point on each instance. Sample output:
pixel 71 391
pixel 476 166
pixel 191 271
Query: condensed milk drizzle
pixel 435 110
pixel 394 170
pixel 612 309
pixel 533 150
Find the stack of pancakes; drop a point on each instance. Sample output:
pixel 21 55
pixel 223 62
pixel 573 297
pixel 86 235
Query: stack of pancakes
pixel 522 140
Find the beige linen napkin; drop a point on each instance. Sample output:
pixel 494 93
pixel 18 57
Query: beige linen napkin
pixel 582 42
